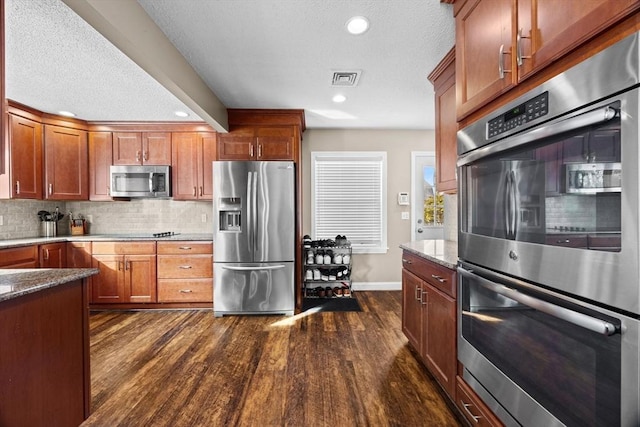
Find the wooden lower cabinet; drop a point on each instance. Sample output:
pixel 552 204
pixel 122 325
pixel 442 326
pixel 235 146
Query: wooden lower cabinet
pixel 45 372
pixel 473 408
pixel 127 272
pixel 79 254
pixel 185 272
pixel 20 257
pixel 429 318
pixel 53 255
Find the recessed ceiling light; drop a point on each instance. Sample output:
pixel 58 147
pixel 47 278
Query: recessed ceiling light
pixel 357 25
pixel 181 114
pixel 339 98
pixel 66 113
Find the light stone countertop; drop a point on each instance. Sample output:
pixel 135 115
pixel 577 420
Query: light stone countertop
pixel 18 282
pixel 4 244
pixel 443 252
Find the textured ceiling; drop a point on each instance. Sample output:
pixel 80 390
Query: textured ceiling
pixel 250 53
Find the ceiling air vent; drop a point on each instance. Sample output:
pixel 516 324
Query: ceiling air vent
pixel 345 78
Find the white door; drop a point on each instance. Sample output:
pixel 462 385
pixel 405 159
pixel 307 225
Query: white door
pixel 427 212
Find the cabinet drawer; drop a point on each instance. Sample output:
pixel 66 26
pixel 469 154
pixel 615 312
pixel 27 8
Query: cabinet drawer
pixel 184 248
pixel 22 257
pixel 124 248
pixel 189 290
pixel 473 408
pixel 176 267
pixel 436 275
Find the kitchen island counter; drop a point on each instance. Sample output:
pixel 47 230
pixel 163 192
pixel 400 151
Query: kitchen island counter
pixel 443 252
pixel 15 283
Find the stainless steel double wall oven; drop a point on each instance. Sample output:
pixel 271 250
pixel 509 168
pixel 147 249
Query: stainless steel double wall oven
pixel 549 248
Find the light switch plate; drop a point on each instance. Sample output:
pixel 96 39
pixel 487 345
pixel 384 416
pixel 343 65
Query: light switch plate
pixel 204 217
pixel 405 215
pixel 1 220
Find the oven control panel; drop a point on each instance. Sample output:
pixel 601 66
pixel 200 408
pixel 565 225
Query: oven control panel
pixel 519 115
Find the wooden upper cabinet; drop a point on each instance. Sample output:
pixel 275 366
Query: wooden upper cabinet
pixel 192 155
pixel 262 135
pixel 66 163
pixel 548 29
pixel 25 148
pixel 141 148
pixel 484 42
pixel 500 43
pixel 100 160
pixel 443 79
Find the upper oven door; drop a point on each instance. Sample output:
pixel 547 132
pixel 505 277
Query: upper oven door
pixel 517 217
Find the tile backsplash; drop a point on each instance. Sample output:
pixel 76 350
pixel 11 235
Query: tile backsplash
pixel 20 220
pixel 451 217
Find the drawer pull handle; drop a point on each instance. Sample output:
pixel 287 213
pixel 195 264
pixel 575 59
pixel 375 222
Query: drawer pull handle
pixel 185 267
pixel 406 261
pixel 425 298
pixel 466 407
pixel 438 278
pixel 564 241
pixel 185 291
pixel 185 248
pixel 418 294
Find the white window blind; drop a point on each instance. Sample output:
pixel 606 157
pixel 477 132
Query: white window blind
pixel 349 198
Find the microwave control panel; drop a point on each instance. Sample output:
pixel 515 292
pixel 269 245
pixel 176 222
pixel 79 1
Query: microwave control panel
pixel 530 110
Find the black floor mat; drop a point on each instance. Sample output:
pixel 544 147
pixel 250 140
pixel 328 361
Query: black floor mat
pixel 331 304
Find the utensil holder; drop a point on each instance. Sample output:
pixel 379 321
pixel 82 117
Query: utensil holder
pixel 48 229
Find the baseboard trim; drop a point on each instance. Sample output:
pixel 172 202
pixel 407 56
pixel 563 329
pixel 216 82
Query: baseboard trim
pixel 377 286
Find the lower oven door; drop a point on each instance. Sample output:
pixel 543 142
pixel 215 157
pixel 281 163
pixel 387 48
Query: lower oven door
pixel 546 359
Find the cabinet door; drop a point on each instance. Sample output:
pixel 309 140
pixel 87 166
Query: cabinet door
pixel 237 145
pixel 484 45
pixel 275 143
pixel 575 149
pixel 446 130
pixel 208 154
pixel 156 148
pixel 185 166
pixel 26 158
pixel 552 157
pixel 412 309
pixel 440 337
pixel 108 285
pixel 79 254
pixel 100 160
pixel 66 163
pixel 550 28
pixel 604 146
pixel 473 408
pixel 140 278
pixel 53 255
pixel 127 148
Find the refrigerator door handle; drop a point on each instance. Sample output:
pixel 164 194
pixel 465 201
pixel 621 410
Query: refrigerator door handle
pixel 249 221
pixel 270 267
pixel 254 226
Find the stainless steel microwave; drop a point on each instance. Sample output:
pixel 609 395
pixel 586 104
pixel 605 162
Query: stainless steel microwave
pixel 591 178
pixel 140 181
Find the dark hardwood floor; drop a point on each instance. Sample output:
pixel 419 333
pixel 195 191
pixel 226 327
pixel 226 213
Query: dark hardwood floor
pixel 187 368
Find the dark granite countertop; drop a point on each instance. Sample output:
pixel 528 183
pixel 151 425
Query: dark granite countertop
pixel 17 282
pixel 443 252
pixel 101 237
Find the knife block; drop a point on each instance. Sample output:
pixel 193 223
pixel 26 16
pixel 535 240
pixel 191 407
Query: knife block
pixel 78 227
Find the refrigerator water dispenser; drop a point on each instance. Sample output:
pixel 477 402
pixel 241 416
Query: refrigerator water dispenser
pixel 230 214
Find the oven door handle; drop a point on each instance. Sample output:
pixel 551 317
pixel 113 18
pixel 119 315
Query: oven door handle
pixel 579 319
pixel 599 115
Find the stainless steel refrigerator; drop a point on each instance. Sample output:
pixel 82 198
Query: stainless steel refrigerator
pixel 254 237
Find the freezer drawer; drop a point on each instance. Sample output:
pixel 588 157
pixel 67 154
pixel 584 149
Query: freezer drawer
pixel 253 288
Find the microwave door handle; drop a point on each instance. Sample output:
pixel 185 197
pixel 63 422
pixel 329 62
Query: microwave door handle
pixel 599 115
pixel 579 319
pixel 151 175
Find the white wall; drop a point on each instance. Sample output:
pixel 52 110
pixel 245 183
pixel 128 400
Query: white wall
pixel 372 271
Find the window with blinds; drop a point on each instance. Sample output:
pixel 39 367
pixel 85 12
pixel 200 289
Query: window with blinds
pixel 349 198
